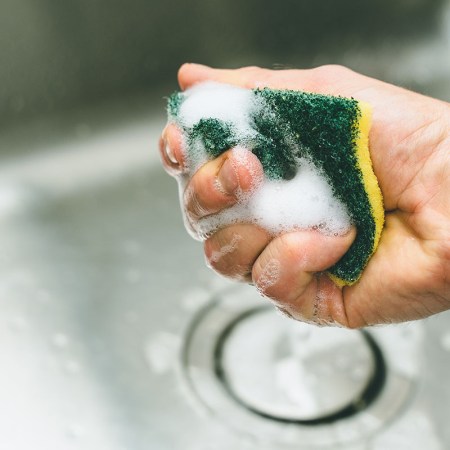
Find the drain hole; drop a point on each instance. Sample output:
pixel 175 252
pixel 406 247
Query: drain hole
pixel 257 374
pixel 296 373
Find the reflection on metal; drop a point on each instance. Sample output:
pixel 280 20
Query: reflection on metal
pixel 290 383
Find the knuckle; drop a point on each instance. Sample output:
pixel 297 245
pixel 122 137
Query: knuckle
pixel 330 72
pixel 251 69
pixel 251 76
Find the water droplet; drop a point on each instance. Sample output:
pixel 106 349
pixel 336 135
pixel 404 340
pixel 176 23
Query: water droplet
pixel 18 323
pixel 195 298
pixel 133 276
pixel 445 341
pixel 60 340
pixel 161 351
pixel 72 367
pixel 131 247
pixel 43 296
pixel 358 373
pixel 75 431
pixel 342 361
pixel 302 333
pixel 131 317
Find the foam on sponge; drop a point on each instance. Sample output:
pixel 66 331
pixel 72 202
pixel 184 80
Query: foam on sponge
pixel 315 156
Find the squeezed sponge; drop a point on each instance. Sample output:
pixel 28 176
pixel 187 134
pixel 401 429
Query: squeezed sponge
pixel 284 129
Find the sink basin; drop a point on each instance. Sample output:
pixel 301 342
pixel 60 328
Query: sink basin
pixel 109 318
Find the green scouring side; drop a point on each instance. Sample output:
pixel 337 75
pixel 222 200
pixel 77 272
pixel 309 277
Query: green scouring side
pixel 324 129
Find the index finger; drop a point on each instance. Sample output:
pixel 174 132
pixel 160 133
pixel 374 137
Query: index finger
pixel 329 79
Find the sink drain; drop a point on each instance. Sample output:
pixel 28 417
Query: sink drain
pixel 300 374
pixel 293 384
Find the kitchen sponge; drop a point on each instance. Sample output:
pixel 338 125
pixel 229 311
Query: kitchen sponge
pixel 290 132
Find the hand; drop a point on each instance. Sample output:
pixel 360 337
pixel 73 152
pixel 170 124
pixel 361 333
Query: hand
pixel 409 275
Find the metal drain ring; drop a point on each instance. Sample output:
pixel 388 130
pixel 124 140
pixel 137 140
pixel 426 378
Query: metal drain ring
pixel 385 400
pixel 365 399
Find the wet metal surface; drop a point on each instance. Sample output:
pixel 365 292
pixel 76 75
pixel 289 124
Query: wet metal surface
pixel 99 286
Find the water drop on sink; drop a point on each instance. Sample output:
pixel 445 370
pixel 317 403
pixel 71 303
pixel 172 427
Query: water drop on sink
pixel 75 430
pixel 132 276
pixel 18 323
pixel 131 247
pixel 358 372
pixel 43 296
pixel 60 340
pixel 161 351
pixel 72 367
pixel 445 341
pixel 131 317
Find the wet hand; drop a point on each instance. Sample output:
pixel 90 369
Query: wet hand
pixel 407 278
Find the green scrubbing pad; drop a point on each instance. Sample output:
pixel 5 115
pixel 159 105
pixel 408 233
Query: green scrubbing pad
pixel 330 131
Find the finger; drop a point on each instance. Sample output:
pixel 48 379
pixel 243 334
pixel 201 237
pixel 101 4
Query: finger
pixel 329 79
pixel 171 150
pixel 289 271
pixel 219 183
pixel 233 250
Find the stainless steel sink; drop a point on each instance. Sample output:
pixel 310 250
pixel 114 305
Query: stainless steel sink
pixel 114 335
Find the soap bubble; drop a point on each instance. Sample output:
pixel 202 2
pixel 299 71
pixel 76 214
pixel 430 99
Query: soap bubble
pixel 305 201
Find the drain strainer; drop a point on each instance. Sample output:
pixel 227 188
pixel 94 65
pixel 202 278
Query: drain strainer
pixel 293 384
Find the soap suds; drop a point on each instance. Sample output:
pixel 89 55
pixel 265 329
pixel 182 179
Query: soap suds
pixel 161 351
pixel 269 276
pixel 227 103
pixel 304 202
pixel 226 249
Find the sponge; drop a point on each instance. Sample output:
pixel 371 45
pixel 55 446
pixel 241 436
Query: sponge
pixel 289 126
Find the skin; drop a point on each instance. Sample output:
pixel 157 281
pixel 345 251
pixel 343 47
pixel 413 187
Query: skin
pixel 409 275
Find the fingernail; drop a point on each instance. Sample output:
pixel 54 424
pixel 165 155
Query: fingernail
pixel 170 154
pixel 227 178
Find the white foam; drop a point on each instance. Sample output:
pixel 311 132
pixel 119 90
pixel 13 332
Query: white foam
pixel 224 102
pixel 305 202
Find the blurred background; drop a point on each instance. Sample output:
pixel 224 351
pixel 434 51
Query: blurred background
pixel 57 56
pixel 100 287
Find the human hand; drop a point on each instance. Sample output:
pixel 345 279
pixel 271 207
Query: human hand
pixel 409 275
